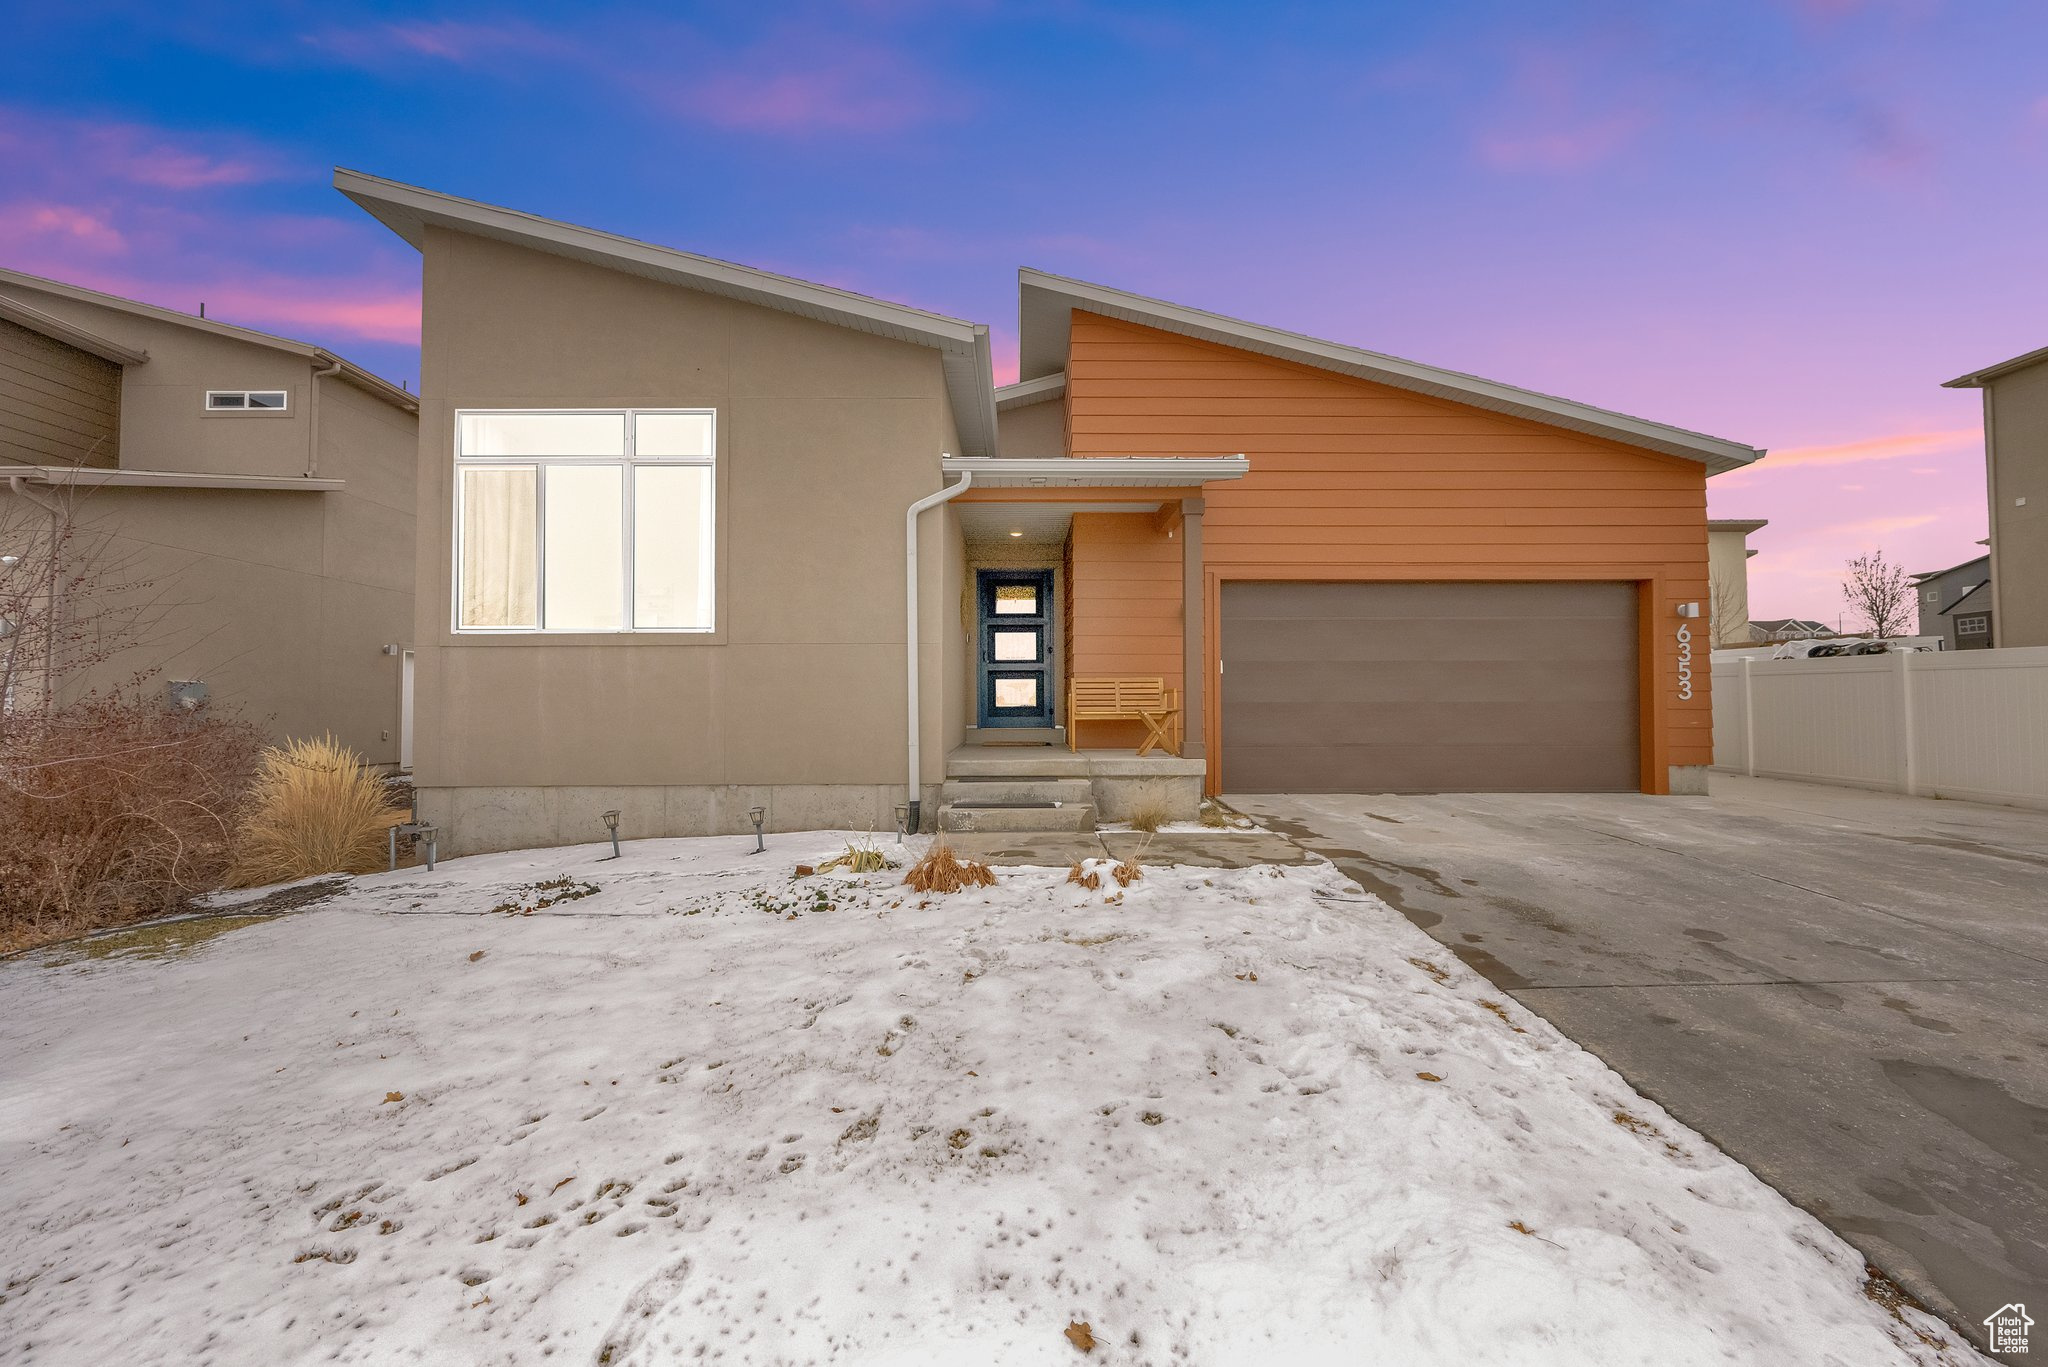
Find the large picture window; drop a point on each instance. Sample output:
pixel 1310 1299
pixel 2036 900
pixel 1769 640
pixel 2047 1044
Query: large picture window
pixel 584 521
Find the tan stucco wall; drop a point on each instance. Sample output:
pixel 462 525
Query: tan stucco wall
pixel 1728 586
pixel 2016 415
pixel 281 602
pixel 825 435
pixel 1035 430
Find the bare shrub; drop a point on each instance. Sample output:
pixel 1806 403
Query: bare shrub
pixel 940 870
pixel 1083 875
pixel 314 809
pixel 1149 814
pixel 114 808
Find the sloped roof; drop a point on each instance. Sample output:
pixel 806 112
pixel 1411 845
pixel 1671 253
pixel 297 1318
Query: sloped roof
pixel 409 210
pixel 1925 575
pixel 1046 303
pixel 1977 378
pixel 57 330
pixel 351 372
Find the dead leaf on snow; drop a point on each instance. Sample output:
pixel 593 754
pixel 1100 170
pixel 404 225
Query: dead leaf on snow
pixel 393 1096
pixel 478 955
pixel 1081 1336
pixel 1429 1077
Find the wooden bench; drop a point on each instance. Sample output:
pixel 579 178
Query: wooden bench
pixel 1147 700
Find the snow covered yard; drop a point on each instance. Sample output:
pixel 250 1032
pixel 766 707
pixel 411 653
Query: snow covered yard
pixel 708 1113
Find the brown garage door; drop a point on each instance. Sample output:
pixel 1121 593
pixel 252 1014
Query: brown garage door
pixel 1419 688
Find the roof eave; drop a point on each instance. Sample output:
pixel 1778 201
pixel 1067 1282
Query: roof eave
pixel 1717 454
pixel 409 210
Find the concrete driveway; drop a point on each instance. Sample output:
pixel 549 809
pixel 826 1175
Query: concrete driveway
pixel 1848 991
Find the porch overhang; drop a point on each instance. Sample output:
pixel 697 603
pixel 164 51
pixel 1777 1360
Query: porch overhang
pixel 1117 472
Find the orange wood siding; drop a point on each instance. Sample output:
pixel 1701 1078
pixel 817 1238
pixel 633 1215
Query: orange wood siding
pixel 1125 615
pixel 1356 480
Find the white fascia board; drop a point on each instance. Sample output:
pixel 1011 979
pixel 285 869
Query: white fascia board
pixel 1025 393
pixel 78 338
pixel 408 210
pixel 1123 472
pixel 1045 353
pixel 93 477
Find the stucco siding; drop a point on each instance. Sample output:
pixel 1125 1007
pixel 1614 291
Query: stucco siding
pixel 1355 480
pixel 2017 413
pixel 824 436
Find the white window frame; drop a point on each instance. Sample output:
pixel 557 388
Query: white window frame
pixel 1973 624
pixel 627 463
pixel 284 407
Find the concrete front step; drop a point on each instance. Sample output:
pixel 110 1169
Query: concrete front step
pixel 1017 788
pixel 1024 761
pixel 1017 737
pixel 968 816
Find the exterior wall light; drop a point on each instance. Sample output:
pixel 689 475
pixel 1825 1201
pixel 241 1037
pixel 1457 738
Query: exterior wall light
pixel 1688 609
pixel 757 815
pixel 611 824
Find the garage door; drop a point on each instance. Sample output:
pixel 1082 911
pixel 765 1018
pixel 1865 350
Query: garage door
pixel 1420 688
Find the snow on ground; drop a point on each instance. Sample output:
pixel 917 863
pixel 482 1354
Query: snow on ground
pixel 710 1114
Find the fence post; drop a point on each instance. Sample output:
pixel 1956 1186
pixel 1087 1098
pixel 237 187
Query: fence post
pixel 1911 775
pixel 1748 722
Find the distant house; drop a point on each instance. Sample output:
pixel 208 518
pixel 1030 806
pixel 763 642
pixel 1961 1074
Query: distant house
pixel 1788 629
pixel 2016 483
pixel 1955 604
pixel 1728 556
pixel 263 488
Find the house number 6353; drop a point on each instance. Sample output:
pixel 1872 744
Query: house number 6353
pixel 1684 660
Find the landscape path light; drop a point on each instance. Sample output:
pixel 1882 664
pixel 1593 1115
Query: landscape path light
pixel 611 824
pixel 757 815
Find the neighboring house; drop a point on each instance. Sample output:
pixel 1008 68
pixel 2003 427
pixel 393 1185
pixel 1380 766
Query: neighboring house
pixel 1955 604
pixel 1787 629
pixel 673 511
pixel 1728 556
pixel 264 487
pixel 2016 485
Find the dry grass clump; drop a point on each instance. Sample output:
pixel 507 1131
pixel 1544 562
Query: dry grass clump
pixel 1149 814
pixel 113 809
pixel 940 870
pixel 314 809
pixel 1088 873
pixel 860 856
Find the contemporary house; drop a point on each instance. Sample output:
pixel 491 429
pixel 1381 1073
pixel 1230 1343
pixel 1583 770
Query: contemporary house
pixel 697 538
pixel 1788 629
pixel 263 487
pixel 1955 604
pixel 1728 555
pixel 2016 486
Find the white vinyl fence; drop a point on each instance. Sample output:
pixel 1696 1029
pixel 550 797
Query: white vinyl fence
pixel 1970 724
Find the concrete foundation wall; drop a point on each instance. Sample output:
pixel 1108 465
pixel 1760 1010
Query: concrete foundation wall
pixel 487 819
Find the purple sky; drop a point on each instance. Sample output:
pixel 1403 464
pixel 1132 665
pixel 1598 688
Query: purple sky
pixel 1780 222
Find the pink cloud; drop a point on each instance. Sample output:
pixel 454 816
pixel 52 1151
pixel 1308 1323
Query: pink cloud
pixel 1555 115
pixel 860 93
pixel 67 224
pixel 64 151
pixel 446 40
pixel 1888 447
pixel 370 310
pixel 1561 149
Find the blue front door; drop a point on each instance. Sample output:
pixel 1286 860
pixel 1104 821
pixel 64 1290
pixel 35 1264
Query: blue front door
pixel 1014 629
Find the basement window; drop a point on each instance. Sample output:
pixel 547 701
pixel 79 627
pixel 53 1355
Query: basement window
pixel 245 400
pixel 584 521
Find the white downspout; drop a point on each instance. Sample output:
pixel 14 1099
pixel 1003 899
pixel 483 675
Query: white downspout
pixel 951 491
pixel 313 418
